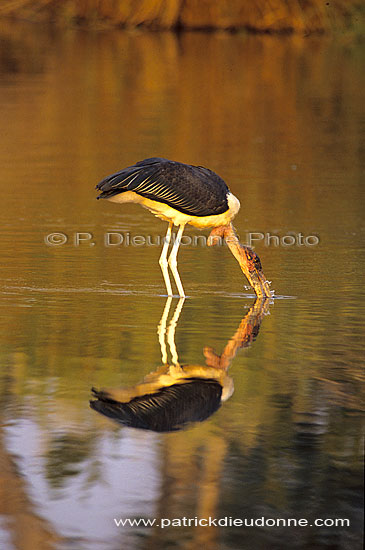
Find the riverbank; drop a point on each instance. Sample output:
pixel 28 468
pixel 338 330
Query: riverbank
pixel 276 16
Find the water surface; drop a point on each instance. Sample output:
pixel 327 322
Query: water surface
pixel 280 119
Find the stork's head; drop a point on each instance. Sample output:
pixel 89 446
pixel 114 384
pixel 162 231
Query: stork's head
pixel 251 266
pixel 249 261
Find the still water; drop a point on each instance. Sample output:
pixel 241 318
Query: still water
pixel 280 119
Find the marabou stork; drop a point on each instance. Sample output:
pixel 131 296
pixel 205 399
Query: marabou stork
pixel 176 394
pixel 183 194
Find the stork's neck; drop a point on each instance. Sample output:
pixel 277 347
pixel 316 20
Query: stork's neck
pixel 229 234
pixel 232 240
pixel 248 259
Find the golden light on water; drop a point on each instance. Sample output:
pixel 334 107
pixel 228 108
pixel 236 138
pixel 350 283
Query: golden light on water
pixel 279 118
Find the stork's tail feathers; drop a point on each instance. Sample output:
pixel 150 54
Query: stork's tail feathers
pixel 121 181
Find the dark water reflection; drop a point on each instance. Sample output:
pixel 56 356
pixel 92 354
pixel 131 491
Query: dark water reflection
pixel 281 119
pixel 175 395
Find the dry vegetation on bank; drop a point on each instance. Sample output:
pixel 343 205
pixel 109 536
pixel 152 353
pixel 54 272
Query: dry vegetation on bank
pixel 303 16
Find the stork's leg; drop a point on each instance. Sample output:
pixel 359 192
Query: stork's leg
pixel 161 330
pixel 173 261
pixel 163 260
pixel 171 331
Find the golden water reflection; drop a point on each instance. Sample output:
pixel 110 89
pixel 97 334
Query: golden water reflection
pixel 280 119
pixel 175 394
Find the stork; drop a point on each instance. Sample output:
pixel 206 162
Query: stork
pixel 183 194
pixel 175 394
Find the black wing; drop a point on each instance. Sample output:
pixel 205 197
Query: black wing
pixel 193 190
pixel 168 409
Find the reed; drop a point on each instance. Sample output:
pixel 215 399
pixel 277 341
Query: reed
pixel 302 16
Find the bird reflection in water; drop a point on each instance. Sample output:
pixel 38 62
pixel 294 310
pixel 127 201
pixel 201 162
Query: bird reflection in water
pixel 175 395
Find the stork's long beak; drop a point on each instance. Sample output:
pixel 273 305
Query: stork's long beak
pixel 248 259
pixel 251 266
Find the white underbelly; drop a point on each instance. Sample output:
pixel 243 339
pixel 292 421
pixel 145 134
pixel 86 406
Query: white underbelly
pixel 169 214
